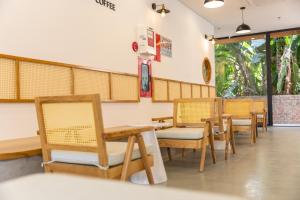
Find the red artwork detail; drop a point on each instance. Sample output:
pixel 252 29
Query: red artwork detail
pixel 145 77
pixel 135 46
pixel 150 37
pixel 158 56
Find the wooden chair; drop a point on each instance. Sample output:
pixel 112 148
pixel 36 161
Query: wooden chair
pixel 74 141
pixel 261 110
pixel 223 127
pixel 243 117
pixel 193 121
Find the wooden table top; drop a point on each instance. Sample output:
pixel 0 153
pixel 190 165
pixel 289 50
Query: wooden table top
pixel 20 148
pixel 31 146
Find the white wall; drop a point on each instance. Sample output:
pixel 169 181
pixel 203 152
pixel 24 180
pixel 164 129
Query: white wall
pixel 82 32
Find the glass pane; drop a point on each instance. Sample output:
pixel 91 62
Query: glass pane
pixel 241 68
pixel 285 65
pixel 286 79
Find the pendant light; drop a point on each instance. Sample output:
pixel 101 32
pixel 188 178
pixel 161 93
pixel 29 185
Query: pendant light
pixel 243 28
pixel 213 3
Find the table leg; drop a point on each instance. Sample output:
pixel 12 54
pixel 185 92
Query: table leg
pixel 128 156
pixel 143 153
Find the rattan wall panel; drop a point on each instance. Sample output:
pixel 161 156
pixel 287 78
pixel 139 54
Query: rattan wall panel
pixel 212 92
pixel 196 91
pixel 205 91
pixel 8 88
pixel 186 90
pixel 124 87
pixel 44 80
pixel 174 90
pixel 92 82
pixel 160 90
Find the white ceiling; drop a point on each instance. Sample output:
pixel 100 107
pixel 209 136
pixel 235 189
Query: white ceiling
pixel 261 15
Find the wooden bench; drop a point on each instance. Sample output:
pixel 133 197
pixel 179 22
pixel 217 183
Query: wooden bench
pixel 20 148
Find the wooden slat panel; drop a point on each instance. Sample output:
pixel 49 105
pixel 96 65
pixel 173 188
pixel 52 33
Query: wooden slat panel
pixel 44 80
pixel 174 90
pixel 186 90
pixel 204 91
pixel 212 92
pixel 8 86
pixel 160 90
pixel 124 87
pixel 196 91
pixel 92 82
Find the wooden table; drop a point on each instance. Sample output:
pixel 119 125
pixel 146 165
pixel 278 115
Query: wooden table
pixel 20 148
pixel 27 147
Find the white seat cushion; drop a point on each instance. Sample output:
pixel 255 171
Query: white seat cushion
pixel 241 122
pixel 115 150
pixel 180 133
pixel 260 116
pixel 216 129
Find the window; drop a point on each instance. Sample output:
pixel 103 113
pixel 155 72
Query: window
pixel 241 68
pixel 285 65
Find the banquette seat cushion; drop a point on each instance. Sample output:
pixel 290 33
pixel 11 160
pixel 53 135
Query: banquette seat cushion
pixel 115 150
pixel 180 133
pixel 260 116
pixel 241 122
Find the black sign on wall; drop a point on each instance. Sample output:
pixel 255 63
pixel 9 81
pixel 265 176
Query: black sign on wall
pixel 107 4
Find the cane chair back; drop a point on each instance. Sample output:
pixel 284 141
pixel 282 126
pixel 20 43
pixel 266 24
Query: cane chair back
pixel 218 113
pixel 259 105
pixel 191 112
pixel 71 123
pixel 238 108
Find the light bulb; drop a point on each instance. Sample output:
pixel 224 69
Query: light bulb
pixel 213 41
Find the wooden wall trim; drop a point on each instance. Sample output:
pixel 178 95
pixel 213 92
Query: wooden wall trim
pixel 18 60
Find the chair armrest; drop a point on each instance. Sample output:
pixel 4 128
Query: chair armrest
pixel 226 116
pixel 121 132
pixel 208 120
pixel 161 119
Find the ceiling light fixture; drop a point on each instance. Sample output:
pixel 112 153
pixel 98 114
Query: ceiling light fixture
pixel 163 11
pixel 243 28
pixel 213 3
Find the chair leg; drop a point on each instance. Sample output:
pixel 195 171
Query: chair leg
pixel 232 142
pixel 203 155
pixel 265 125
pixel 226 148
pixel 212 147
pixel 143 153
pixel 253 134
pixel 182 153
pixel 169 154
pixel 127 159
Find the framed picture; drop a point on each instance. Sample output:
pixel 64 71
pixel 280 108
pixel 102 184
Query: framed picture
pixel 145 77
pixel 166 46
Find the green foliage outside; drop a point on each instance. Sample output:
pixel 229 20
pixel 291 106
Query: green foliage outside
pixel 285 65
pixel 241 67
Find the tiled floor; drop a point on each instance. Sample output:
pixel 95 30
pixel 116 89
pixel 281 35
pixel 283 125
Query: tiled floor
pixel 268 170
